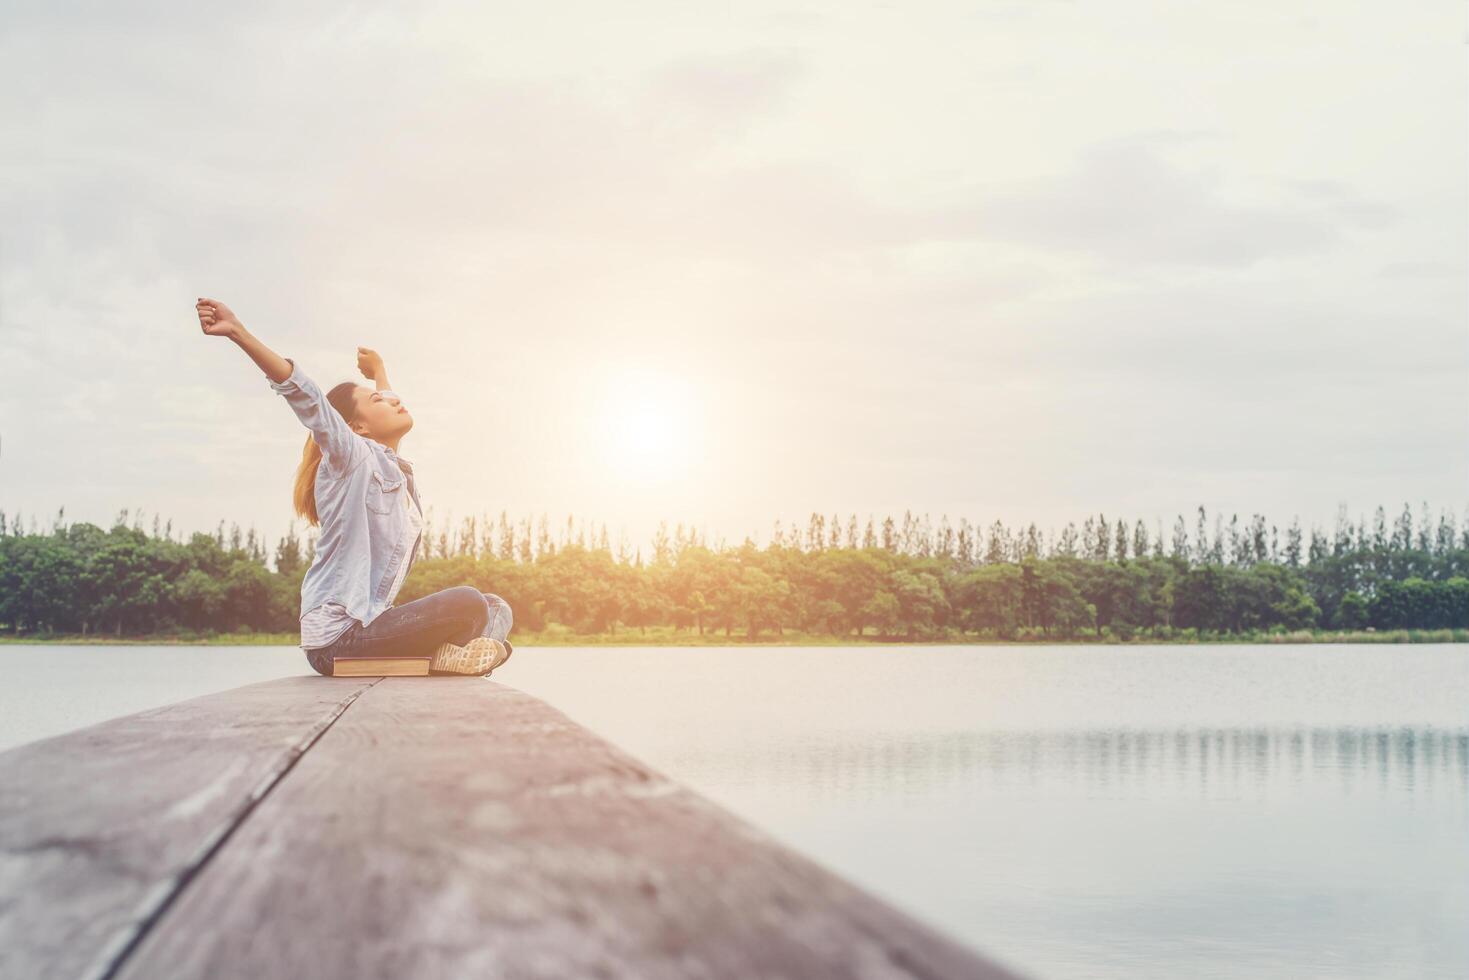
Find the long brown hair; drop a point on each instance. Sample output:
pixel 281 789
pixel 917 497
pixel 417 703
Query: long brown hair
pixel 304 493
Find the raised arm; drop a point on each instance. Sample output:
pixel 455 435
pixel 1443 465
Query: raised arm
pixel 341 447
pixel 370 363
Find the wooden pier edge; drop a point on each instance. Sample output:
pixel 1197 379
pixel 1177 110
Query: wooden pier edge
pixel 406 827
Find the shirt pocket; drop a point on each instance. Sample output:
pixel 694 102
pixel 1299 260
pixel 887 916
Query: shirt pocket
pixel 383 494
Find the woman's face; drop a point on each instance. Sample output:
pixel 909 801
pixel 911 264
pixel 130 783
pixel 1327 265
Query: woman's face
pixel 379 415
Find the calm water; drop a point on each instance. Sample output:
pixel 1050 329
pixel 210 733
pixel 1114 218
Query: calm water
pixel 1297 812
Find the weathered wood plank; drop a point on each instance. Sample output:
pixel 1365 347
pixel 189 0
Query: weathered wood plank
pixel 100 827
pixel 454 827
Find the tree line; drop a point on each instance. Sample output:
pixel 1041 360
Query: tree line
pixel 906 578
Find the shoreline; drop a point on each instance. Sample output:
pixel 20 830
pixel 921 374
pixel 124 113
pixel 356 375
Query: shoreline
pixel 666 638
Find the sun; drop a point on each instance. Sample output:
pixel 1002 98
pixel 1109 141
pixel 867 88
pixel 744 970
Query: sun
pixel 646 425
pixel 644 432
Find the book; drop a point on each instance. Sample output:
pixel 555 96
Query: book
pixel 380 667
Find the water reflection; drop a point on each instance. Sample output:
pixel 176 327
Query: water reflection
pixel 1205 763
pixel 1321 852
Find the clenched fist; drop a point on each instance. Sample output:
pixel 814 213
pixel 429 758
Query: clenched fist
pixel 370 363
pixel 216 319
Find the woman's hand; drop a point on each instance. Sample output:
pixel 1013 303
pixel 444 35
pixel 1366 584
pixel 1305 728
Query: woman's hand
pixel 370 363
pixel 217 320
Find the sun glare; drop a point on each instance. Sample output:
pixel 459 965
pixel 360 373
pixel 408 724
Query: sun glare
pixel 646 432
pixel 646 426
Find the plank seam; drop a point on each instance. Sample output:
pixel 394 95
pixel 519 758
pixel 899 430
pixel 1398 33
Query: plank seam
pixel 163 895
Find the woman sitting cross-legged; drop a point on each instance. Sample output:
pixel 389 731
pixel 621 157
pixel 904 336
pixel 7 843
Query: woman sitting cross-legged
pixel 353 485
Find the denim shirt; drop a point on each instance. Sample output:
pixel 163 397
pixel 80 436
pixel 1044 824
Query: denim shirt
pixel 359 488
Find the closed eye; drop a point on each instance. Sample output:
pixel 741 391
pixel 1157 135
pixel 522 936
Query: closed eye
pixel 378 397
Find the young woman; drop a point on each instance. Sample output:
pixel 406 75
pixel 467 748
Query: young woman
pixel 353 485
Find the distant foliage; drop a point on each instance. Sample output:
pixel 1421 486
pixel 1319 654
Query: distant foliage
pixel 899 579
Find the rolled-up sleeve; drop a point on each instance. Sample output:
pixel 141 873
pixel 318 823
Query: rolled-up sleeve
pixel 341 447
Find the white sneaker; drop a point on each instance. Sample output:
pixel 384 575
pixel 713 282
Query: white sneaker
pixel 476 658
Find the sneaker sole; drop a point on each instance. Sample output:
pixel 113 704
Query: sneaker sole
pixel 477 657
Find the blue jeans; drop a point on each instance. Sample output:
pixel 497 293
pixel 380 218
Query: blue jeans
pixel 417 628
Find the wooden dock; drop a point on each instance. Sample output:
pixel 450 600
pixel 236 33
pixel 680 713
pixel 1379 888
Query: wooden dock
pixel 405 828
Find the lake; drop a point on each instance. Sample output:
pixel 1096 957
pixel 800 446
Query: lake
pixel 1075 812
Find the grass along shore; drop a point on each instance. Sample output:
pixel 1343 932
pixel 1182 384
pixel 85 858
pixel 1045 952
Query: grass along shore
pixel 557 636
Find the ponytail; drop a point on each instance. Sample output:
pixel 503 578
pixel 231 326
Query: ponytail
pixel 304 493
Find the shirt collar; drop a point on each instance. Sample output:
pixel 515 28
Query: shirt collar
pixel 403 462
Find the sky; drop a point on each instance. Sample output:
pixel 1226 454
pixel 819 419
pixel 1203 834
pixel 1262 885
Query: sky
pixel 728 264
